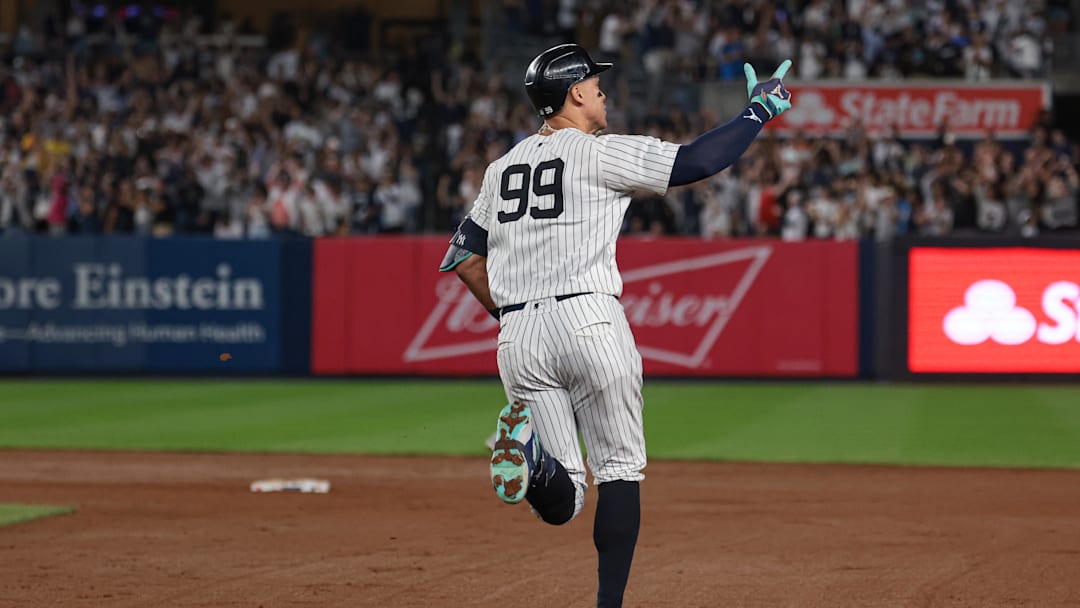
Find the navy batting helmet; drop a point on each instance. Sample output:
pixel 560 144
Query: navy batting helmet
pixel 552 74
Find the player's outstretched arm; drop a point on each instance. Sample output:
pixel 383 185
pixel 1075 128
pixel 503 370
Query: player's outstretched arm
pixel 719 148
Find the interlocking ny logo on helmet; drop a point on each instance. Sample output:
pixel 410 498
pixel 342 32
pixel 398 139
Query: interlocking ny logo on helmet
pixel 553 72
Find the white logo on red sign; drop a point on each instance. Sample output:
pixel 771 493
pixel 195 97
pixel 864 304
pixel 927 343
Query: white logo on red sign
pixel 812 110
pixel 706 314
pixel 970 110
pixel 990 312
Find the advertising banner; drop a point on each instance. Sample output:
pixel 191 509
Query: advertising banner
pixel 133 305
pixel 914 109
pixel 993 310
pixel 697 308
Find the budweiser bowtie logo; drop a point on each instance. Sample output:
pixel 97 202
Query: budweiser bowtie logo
pixel 457 313
pixel 678 309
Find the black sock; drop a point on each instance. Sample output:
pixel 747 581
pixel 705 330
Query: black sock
pixel 615 532
pixel 551 492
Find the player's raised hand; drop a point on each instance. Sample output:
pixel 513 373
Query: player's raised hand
pixel 771 94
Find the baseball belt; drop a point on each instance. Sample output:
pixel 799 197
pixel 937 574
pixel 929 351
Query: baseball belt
pixel 516 307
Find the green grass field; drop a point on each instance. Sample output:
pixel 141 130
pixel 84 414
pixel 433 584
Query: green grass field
pixel 14 514
pixel 982 425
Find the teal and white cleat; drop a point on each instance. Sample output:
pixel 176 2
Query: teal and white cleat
pixel 516 456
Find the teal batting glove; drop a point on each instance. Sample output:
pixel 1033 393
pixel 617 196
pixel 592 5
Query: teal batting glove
pixel 771 94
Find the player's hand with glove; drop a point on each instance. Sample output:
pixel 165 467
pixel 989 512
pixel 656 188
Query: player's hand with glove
pixel 771 94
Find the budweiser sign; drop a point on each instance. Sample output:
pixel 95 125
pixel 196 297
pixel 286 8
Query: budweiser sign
pixel 457 316
pixel 915 110
pixel 648 301
pixel 697 308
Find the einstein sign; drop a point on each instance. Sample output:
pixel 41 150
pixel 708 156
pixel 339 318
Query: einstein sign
pixel 138 305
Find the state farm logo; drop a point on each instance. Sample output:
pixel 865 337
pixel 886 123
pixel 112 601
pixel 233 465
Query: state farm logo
pixel 674 326
pixel 812 110
pixel 970 110
pixel 906 111
pixel 990 312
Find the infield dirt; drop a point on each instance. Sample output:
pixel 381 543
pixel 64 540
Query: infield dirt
pixel 162 529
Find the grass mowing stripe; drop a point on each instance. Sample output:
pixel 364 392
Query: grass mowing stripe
pixel 15 513
pixel 1005 425
pixel 320 416
pixel 804 422
pixel 987 425
pixel 813 424
pixel 904 424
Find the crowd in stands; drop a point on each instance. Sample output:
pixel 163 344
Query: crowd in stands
pixel 121 126
pixel 973 39
pixel 877 187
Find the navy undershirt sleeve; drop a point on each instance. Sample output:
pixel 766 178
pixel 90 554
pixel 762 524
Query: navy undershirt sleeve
pixel 472 237
pixel 717 149
pixel 469 239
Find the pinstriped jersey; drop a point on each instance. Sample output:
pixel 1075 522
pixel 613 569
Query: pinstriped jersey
pixel 553 208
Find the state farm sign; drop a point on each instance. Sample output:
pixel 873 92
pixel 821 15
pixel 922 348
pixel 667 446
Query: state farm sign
pixel 697 308
pixel 990 312
pixel 915 110
pixel 994 310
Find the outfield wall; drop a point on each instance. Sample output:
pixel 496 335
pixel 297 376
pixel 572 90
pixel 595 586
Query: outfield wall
pixel 698 308
pixel 376 306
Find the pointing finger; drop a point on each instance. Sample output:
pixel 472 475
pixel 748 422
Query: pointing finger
pixel 782 70
pixel 751 77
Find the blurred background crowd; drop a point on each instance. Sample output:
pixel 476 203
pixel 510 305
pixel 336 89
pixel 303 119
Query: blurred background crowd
pixel 854 39
pixel 144 120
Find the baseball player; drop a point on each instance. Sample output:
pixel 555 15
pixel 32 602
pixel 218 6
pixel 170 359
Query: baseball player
pixel 538 251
